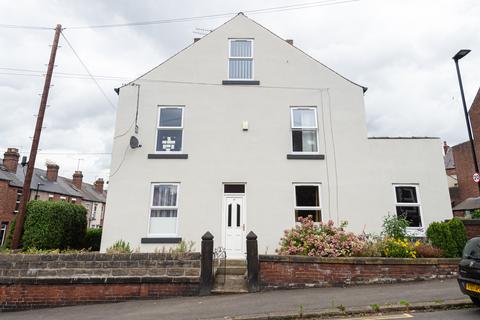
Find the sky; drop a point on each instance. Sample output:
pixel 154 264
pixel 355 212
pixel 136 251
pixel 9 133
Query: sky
pixel 400 49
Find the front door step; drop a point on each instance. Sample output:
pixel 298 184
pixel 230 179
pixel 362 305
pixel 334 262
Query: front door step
pixel 231 277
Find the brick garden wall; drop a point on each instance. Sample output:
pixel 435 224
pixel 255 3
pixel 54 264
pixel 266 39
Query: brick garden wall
pixel 472 227
pixel 33 281
pixel 298 271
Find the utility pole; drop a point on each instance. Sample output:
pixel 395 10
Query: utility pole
pixel 36 140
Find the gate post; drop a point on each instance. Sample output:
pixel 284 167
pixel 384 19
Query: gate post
pixel 253 265
pixel 206 267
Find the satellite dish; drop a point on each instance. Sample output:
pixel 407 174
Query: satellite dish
pixel 134 142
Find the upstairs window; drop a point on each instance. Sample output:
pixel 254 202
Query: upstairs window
pixel 170 129
pixel 17 202
pixel 164 209
pixel 307 201
pixel 240 59
pixel 408 204
pixel 304 129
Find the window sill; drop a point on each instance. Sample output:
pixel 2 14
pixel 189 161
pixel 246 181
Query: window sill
pixel 167 156
pixel 306 156
pixel 241 82
pixel 161 240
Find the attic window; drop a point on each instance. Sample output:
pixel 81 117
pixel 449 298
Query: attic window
pixel 240 59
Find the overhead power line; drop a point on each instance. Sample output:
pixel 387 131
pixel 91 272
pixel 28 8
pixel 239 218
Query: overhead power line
pixel 15 26
pixel 220 15
pixel 88 72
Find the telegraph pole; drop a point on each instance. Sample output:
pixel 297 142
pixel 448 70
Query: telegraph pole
pixel 36 140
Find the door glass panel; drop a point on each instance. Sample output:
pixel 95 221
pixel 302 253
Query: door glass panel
pixel 238 215
pixel 230 215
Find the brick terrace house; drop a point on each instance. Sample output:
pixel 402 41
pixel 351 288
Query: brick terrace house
pixel 459 166
pixel 49 186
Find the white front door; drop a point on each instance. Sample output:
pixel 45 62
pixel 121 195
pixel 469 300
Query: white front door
pixel 234 215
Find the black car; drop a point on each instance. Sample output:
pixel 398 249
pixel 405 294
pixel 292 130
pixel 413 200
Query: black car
pixel 469 277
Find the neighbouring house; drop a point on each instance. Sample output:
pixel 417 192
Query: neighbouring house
pixel 49 186
pixel 242 131
pixel 459 166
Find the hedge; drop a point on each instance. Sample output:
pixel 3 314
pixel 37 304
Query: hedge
pixel 54 225
pixel 450 236
pixel 93 239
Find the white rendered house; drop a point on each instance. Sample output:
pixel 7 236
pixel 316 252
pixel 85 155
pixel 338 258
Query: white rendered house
pixel 243 131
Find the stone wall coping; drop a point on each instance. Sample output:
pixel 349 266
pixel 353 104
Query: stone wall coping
pixel 98 280
pixel 475 222
pixel 359 260
pixel 95 256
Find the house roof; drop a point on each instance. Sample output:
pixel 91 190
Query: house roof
pixel 239 15
pixel 62 186
pixel 468 204
pixel 448 159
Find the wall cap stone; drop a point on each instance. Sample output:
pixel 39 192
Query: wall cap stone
pixel 359 260
pixel 98 280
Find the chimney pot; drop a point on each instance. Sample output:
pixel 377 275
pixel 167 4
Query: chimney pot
pixel 77 179
pixel 289 41
pixel 52 172
pixel 99 185
pixel 10 159
pixel 196 39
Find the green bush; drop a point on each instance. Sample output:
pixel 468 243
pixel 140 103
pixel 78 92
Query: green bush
pixel 398 248
pixel 395 227
pixel 11 229
pixel 475 214
pixel 54 225
pixel 459 235
pixel 93 238
pixel 449 236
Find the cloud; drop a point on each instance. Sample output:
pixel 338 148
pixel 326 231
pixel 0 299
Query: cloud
pixel 401 50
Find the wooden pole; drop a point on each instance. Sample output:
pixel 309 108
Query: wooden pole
pixel 36 140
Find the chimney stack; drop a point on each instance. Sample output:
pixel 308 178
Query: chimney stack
pixel 77 179
pixel 52 172
pixel 289 41
pixel 445 147
pixel 10 159
pixel 99 185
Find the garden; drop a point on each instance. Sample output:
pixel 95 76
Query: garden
pixel 55 227
pixel 308 238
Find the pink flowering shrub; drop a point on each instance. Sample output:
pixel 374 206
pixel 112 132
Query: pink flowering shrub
pixel 320 239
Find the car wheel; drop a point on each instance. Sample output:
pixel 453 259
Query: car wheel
pixel 476 301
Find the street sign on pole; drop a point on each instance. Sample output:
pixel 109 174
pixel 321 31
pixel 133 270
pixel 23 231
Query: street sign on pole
pixel 476 177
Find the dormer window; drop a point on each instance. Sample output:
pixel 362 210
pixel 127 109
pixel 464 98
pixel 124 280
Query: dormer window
pixel 240 59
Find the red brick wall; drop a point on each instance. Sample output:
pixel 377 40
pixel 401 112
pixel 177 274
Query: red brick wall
pixel 297 272
pixel 462 155
pixel 28 296
pixel 8 198
pixel 472 227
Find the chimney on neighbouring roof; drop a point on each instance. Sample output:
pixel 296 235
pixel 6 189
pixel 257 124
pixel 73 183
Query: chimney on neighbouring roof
pixel 99 185
pixel 10 159
pixel 445 147
pixel 52 171
pixel 77 179
pixel 289 41
pixel 196 39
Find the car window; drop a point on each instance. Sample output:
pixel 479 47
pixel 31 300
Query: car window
pixel 472 249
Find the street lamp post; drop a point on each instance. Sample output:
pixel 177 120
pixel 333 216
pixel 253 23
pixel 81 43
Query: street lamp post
pixel 460 54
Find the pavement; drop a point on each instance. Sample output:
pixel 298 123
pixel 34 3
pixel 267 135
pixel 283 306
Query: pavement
pixel 258 305
pixel 464 314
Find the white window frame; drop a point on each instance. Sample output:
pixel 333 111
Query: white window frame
pixel 17 201
pixel 73 200
pixel 319 186
pixel 292 128
pixel 158 127
pixel 63 198
pixel 239 58
pixel 3 227
pixel 151 206
pixel 412 231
